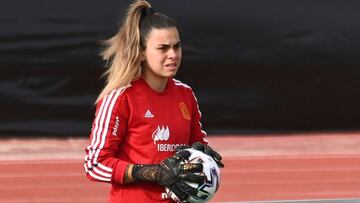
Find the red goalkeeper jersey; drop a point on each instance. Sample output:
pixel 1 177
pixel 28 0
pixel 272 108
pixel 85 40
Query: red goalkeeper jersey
pixel 138 125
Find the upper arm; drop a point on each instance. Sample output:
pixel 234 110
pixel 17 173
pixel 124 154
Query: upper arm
pixel 108 129
pixel 197 132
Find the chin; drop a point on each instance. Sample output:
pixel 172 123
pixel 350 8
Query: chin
pixel 170 74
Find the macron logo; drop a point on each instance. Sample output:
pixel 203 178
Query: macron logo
pixel 148 114
pixel 161 134
pixel 115 128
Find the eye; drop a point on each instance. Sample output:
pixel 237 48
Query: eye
pixel 178 45
pixel 163 48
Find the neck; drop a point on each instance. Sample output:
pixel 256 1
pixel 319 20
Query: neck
pixel 158 84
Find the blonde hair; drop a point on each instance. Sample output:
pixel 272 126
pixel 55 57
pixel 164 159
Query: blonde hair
pixel 122 51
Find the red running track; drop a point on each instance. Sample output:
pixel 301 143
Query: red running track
pixel 269 167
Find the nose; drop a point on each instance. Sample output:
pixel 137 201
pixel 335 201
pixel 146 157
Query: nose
pixel 172 54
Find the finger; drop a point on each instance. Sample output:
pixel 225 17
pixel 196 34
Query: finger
pixel 189 177
pixel 220 164
pixel 217 156
pixel 179 194
pixel 208 150
pixel 192 167
pixel 179 148
pixel 198 146
pixel 183 155
pixel 177 158
pixel 185 188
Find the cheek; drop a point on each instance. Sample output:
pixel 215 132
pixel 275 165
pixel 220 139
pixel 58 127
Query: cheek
pixel 179 53
pixel 155 58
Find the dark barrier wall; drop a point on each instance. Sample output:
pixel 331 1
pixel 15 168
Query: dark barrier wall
pixel 254 65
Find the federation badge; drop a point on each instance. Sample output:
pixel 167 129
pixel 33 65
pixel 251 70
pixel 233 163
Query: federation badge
pixel 184 111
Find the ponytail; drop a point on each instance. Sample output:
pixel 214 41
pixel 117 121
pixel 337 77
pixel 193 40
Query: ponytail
pixel 122 52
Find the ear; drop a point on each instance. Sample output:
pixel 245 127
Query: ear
pixel 142 55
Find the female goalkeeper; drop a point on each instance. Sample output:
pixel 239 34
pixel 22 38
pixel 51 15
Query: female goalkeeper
pixel 143 114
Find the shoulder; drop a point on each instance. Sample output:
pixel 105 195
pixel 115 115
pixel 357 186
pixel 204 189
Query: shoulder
pixel 181 85
pixel 114 97
pixel 186 89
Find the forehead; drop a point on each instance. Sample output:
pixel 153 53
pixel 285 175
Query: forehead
pixel 163 36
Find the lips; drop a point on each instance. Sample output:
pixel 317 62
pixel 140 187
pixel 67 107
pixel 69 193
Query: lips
pixel 171 65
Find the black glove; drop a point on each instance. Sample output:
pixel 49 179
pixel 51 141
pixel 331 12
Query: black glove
pixel 183 191
pixel 207 150
pixel 169 172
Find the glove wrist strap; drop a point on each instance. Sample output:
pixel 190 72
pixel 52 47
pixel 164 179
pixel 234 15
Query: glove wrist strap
pixel 145 173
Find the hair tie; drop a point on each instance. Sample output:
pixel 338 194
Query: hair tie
pixel 148 12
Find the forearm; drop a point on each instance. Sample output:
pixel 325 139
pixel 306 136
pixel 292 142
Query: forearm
pixel 141 173
pixel 104 168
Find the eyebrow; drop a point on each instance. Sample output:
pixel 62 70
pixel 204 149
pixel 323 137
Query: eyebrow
pixel 167 45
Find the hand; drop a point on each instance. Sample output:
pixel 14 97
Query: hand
pixel 172 172
pixel 207 150
pixel 168 172
pixel 174 169
pixel 182 192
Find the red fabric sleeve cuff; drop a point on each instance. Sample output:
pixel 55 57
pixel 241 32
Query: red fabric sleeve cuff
pixel 119 172
pixel 204 141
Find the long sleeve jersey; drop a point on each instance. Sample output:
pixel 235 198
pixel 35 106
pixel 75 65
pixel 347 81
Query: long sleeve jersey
pixel 136 124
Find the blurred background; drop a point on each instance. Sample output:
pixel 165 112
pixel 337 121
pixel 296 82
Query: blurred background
pixel 255 65
pixel 278 83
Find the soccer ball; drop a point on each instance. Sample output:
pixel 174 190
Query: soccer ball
pixel 208 188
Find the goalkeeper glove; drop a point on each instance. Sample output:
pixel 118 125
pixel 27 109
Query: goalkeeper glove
pixel 171 172
pixel 207 150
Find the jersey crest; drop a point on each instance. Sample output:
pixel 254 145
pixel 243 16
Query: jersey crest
pixel 184 111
